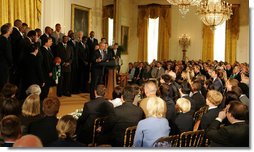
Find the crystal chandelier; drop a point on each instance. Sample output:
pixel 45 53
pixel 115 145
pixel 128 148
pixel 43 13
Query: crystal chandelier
pixel 214 12
pixel 184 4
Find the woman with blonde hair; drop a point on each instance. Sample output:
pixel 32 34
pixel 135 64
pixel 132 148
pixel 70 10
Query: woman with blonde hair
pixel 154 126
pixel 66 128
pixel 30 111
pixel 183 121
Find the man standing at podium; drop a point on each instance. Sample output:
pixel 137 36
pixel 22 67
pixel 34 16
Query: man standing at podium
pixel 96 70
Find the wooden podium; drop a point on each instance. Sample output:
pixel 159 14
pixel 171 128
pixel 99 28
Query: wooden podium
pixel 111 83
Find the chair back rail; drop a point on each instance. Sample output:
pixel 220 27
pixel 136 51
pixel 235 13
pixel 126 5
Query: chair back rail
pixel 192 138
pixel 129 136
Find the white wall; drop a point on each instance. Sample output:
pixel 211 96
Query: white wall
pixel 181 25
pixel 59 11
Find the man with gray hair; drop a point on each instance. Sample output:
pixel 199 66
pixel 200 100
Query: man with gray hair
pixel 150 88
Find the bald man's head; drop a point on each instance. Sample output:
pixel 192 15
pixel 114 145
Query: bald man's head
pixel 28 141
pixel 150 88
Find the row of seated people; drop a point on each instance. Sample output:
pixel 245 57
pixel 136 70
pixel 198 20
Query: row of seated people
pixel 138 72
pixel 101 107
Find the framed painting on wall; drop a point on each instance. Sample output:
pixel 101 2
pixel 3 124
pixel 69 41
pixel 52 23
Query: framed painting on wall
pixel 80 19
pixel 124 39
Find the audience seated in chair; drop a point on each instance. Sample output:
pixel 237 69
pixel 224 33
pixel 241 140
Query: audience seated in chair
pixel 147 133
pixel 45 128
pixel 99 107
pixel 150 89
pixel 213 99
pixel 28 141
pixel 66 128
pixel 10 130
pixel 183 120
pixel 30 111
pixel 124 116
pixel 9 106
pixel 116 94
pixel 234 135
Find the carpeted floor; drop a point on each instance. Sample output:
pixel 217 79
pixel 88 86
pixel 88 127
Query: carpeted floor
pixel 70 104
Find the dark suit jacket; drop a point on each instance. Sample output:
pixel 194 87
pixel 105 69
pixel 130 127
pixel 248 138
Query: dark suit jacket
pixel 66 54
pixel 208 118
pixel 5 55
pixel 16 37
pixel 117 54
pixel 53 47
pixel 184 122
pixel 199 100
pixel 217 83
pixel 93 109
pixel 31 71
pixel 48 62
pixel 234 135
pixel 45 129
pixel 83 53
pixel 139 72
pixel 66 143
pixel 91 45
pixel 124 116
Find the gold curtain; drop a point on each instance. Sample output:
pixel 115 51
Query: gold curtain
pixel 108 12
pixel 232 33
pixel 164 14
pixel 164 33
pixel 208 43
pixel 29 11
pixel 142 34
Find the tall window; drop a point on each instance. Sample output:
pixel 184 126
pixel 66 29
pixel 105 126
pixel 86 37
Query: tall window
pixel 153 32
pixel 110 31
pixel 219 42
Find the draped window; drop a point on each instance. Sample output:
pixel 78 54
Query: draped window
pixel 232 34
pixel 154 11
pixel 208 41
pixel 108 12
pixel 29 11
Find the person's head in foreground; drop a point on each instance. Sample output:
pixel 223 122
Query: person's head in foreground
pixel 28 141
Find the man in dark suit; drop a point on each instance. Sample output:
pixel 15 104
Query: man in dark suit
pixel 217 83
pixel 91 42
pixel 65 52
pixel 213 100
pixel 124 116
pixel 43 37
pixel 45 128
pixel 236 73
pixel 196 95
pixel 31 71
pixel 74 65
pixel 47 66
pixel 96 69
pixel 234 135
pixel 93 109
pixel 6 59
pixel 185 90
pixel 116 55
pixel 83 62
pixel 16 36
pixel 138 76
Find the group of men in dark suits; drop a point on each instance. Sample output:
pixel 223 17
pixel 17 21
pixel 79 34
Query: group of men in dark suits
pixel 78 58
